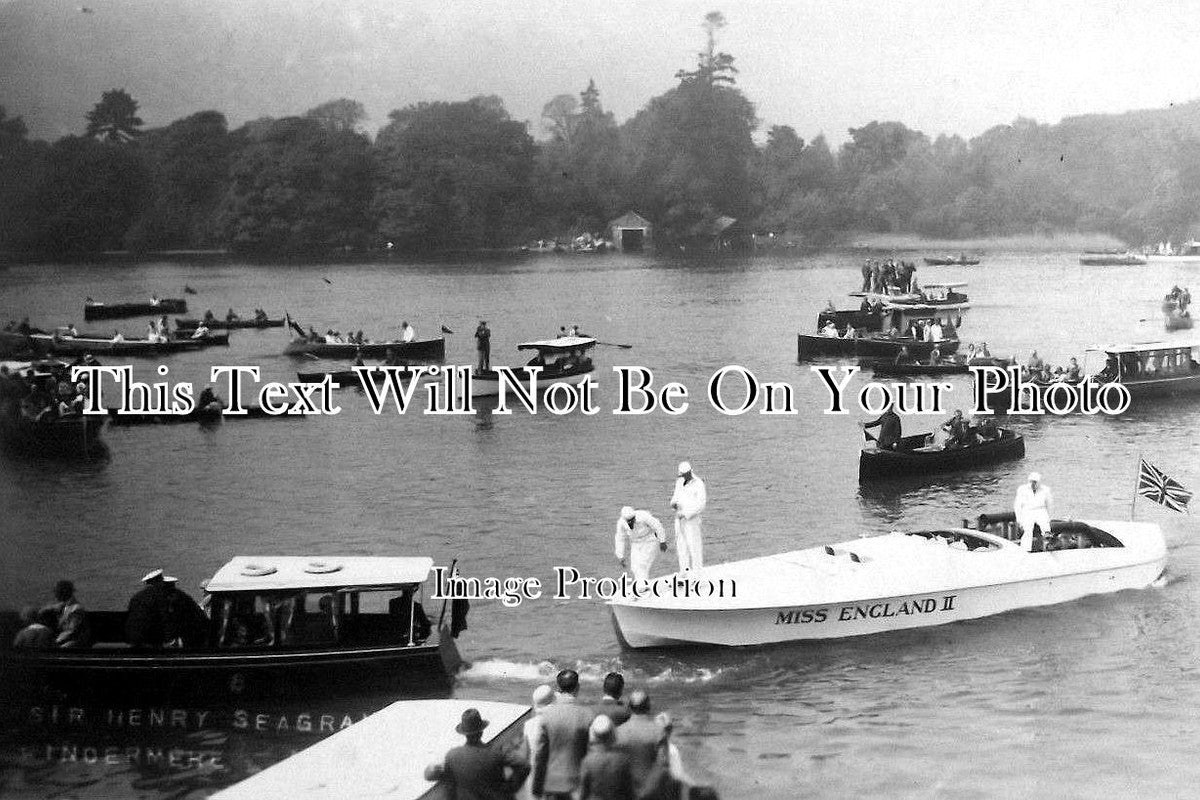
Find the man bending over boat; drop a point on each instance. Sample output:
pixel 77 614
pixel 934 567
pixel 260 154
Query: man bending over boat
pixel 645 536
pixel 889 429
pixel 1032 509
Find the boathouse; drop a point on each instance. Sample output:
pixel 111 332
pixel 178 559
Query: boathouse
pixel 630 232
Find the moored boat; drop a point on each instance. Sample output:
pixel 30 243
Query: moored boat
pixel 94 310
pixel 188 324
pixel 951 261
pixel 279 626
pixel 416 350
pixel 1112 259
pixel 74 436
pixel 912 457
pixel 889 582
pixel 79 345
pixel 561 359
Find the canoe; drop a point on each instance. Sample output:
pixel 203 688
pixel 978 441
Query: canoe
pixel 80 345
pixel 876 346
pixel 208 414
pixel 416 350
pixel 885 583
pixel 907 459
pixel 93 310
pixel 65 438
pixel 951 261
pixel 189 324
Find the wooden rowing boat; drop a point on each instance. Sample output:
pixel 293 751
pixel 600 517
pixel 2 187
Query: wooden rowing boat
pixel 912 458
pixel 81 345
pixel 416 350
pixel 190 324
pixel 93 310
pixel 64 437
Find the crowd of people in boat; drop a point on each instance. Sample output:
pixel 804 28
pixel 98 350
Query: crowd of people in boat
pixel 260 315
pixel 976 354
pixel 1036 370
pixel 919 330
pixel 955 433
pixel 889 276
pixel 407 334
pixel 611 749
pixel 45 393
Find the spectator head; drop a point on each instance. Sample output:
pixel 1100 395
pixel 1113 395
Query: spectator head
pixel 614 684
pixel 63 591
pixel 601 730
pixel 472 724
pixel 542 697
pixel 639 702
pixel 568 681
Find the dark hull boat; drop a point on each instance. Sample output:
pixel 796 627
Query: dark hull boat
pixel 68 437
pixel 285 626
pixel 417 350
pixel 187 324
pixel 947 366
pixel 93 310
pixel 809 345
pixel 907 459
pixel 81 345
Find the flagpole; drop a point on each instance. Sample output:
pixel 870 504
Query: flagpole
pixel 1136 480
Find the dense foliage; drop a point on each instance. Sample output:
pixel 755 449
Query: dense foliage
pixel 449 175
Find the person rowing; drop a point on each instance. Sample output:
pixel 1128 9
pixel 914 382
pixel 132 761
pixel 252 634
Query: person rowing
pixel 889 429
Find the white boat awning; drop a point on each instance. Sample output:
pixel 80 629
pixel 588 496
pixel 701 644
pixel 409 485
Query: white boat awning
pixel 383 756
pixel 1147 347
pixel 279 573
pixel 560 343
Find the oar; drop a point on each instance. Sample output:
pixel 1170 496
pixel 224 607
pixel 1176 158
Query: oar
pixel 614 344
pixel 313 356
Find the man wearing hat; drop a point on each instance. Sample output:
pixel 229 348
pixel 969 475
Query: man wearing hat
pixel 689 501
pixel 645 537
pixel 606 772
pixel 478 771
pixel 1032 509
pixel 147 610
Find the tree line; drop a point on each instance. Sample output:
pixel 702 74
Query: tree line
pixel 459 175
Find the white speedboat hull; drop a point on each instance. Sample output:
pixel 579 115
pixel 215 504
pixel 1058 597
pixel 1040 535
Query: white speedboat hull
pixel 1009 579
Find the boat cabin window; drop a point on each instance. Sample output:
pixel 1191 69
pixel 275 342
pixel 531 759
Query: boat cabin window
pixel 1068 535
pixel 959 540
pixel 321 618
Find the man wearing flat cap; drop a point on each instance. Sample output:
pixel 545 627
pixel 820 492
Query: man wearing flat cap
pixel 478 771
pixel 1032 509
pixel 688 501
pixel 147 610
pixel 644 535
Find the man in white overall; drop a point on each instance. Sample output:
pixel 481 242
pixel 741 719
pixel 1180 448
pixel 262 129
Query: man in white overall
pixel 1032 507
pixel 689 501
pixel 645 537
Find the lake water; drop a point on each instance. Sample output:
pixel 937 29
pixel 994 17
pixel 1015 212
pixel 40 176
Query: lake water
pixel 1093 698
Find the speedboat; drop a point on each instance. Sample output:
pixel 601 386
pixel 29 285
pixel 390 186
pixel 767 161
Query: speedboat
pixel 889 582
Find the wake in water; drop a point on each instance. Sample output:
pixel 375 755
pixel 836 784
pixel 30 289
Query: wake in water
pixel 500 670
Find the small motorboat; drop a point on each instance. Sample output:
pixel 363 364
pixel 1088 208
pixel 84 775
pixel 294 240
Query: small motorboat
pixel 188 324
pixel 416 350
pixel 561 359
pixel 1112 260
pixel 889 582
pixel 913 457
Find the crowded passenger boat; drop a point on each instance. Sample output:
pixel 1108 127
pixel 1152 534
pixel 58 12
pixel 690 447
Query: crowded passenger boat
pixel 267 625
pixel 41 411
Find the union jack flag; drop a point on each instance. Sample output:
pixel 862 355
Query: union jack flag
pixel 1154 485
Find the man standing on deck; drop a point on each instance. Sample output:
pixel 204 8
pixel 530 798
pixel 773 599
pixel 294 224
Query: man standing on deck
pixel 689 501
pixel 1032 509
pixel 889 428
pixel 407 332
pixel 147 610
pixel 645 537
pixel 483 345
